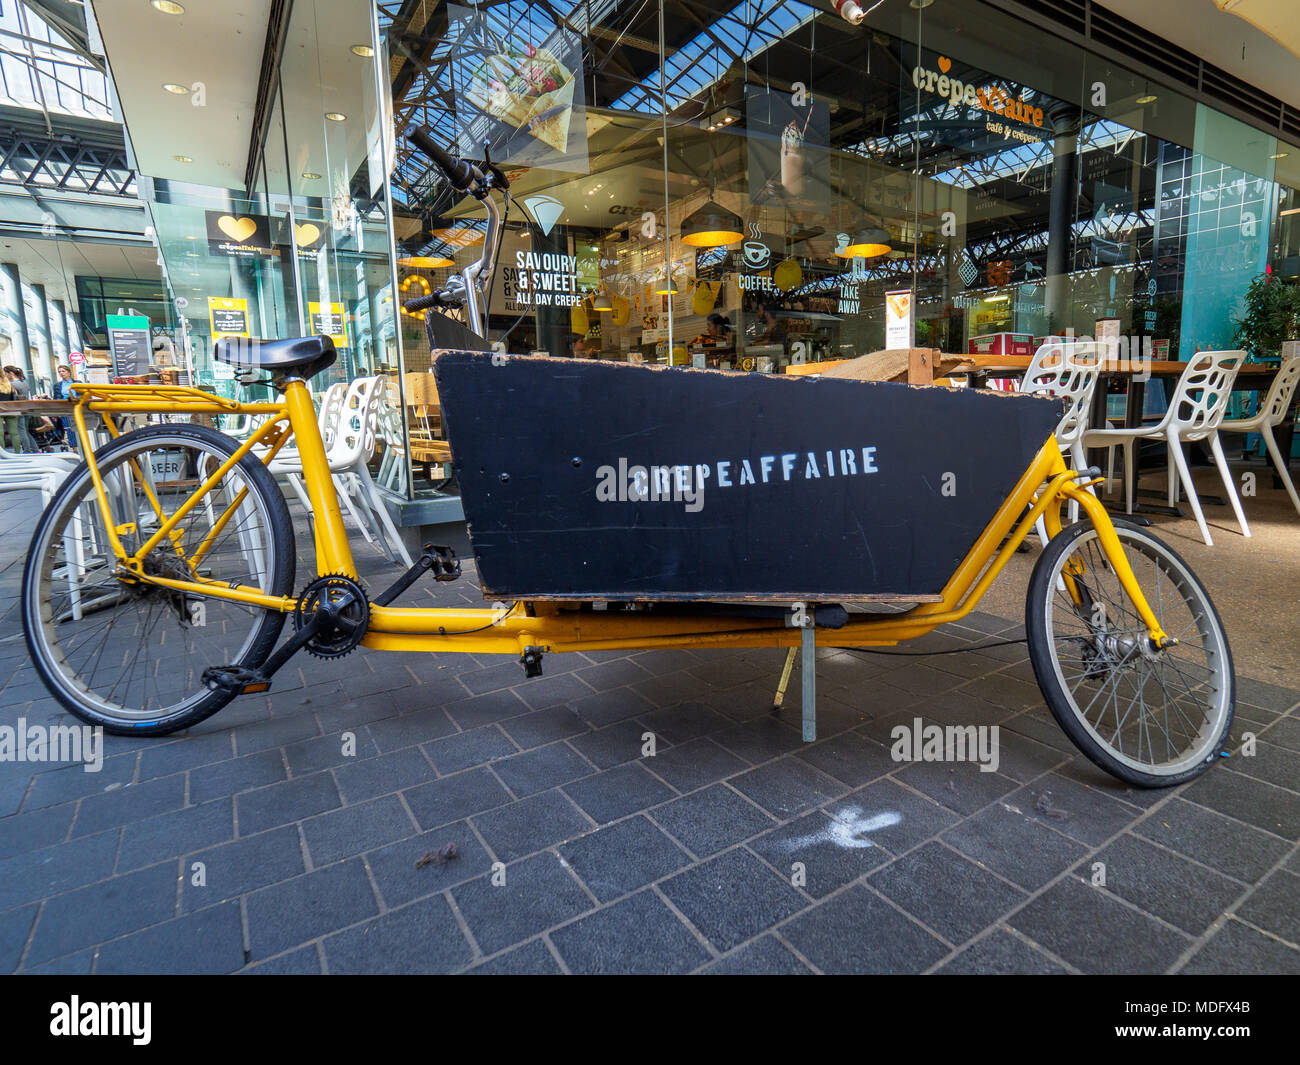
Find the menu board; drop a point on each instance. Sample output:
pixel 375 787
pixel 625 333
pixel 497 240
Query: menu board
pixel 228 317
pixel 128 344
pixel 328 320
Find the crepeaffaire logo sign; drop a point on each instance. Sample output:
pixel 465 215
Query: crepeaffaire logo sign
pixel 991 98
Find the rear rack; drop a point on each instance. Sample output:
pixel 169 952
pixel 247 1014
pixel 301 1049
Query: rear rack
pixel 164 399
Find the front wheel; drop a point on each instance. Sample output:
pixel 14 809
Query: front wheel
pixel 1151 718
pixel 129 655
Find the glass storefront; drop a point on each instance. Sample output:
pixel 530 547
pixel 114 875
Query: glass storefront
pixel 742 186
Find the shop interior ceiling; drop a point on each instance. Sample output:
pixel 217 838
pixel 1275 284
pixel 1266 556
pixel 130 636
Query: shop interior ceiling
pixel 626 146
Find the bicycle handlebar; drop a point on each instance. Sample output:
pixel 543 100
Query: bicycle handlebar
pixel 461 173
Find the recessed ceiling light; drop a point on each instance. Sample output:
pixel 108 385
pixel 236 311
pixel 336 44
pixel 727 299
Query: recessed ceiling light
pixel 167 7
pixel 310 176
pixel 175 90
pixel 336 116
pixel 1279 155
pixel 363 50
pixel 1148 99
pixel 182 158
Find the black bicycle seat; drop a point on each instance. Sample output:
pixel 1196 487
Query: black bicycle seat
pixel 302 356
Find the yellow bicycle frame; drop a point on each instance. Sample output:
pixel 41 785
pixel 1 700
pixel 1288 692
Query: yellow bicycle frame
pixel 1041 491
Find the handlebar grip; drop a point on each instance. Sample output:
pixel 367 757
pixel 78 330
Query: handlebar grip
pixel 459 172
pixel 422 303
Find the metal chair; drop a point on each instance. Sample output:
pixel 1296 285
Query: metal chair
pixel 1274 408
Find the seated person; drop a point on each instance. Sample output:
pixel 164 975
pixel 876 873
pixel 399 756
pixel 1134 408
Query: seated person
pixel 717 334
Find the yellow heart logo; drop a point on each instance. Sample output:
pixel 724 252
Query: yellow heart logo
pixel 237 229
pixel 945 64
pixel 308 234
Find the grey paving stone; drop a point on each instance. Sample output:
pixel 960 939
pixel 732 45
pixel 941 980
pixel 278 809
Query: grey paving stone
pixel 712 819
pixel 15 927
pixel 471 748
pixel 1212 839
pixel 831 855
pixel 307 907
pixel 400 876
pixel 207 941
pixel 277 732
pixel 850 758
pixel 890 815
pixel 615 744
pixel 531 959
pixel 51 870
pixel 305 961
pixel 171 835
pixel 235 776
pixel 530 825
pixel 1022 759
pixel 606 708
pixel 1077 811
pixel 1015 846
pixel 894 943
pixel 119 905
pixel 1275 906
pixel 486 709
pixel 189 753
pixel 540 769
pixel 759 740
pixel 543 726
pixel 623 857
pixel 1285 732
pixel 241 866
pixel 538 893
pixel 960 786
pixel 617 792
pixel 638 934
pixel 1270 763
pixel 1262 805
pixel 491 678
pixel 732 898
pixel 407 730
pixel 1164 884
pixel 129 803
pixel 1001 954
pixel 556 690
pixel 21 833
pixel 766 956
pixel 288 801
pixel 612 674
pixel 442 801
pixel 687 721
pixel 360 827
pixel 78 963
pixel 422 937
pixel 787 787
pixel 694 764
pixel 1096 933
pixel 1239 950
pixel 946 892
pixel 1270 696
pixel 326 752
pixel 384 775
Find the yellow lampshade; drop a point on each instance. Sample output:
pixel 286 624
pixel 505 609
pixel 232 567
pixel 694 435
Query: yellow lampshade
pixel 711 226
pixel 425 262
pixel 866 243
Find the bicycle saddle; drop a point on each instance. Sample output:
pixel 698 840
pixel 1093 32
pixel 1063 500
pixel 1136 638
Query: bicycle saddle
pixel 305 356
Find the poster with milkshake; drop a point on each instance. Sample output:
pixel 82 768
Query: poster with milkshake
pixel 788 161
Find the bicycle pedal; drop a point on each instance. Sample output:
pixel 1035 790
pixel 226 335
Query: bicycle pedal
pixel 235 680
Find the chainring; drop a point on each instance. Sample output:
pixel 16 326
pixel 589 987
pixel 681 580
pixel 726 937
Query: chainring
pixel 345 633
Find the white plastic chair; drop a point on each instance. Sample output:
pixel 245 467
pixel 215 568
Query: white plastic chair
pixel 1275 407
pixel 1195 413
pixel 1068 371
pixel 349 428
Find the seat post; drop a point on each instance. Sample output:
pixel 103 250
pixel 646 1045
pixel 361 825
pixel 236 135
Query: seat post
pixel 333 554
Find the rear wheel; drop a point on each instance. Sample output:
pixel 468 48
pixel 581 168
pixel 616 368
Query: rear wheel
pixel 129 655
pixel 1152 718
